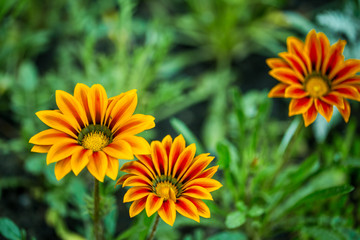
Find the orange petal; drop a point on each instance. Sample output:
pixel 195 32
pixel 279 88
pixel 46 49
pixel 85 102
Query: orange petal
pixel 135 167
pixel 136 193
pixel 79 160
pixel 62 150
pixel 146 160
pixel 324 44
pixel 137 206
pixel 138 144
pixel 207 183
pixel 295 91
pixel 153 203
pixel 159 157
pixel 203 210
pixel 176 149
pixel 186 208
pixel 136 181
pixel 324 109
pixel 198 165
pixel 122 179
pixel 119 149
pixel 113 168
pixel 197 192
pixel 41 149
pixel 313 49
pixel 98 163
pixel 298 106
pixel 58 121
pixel 208 173
pixel 285 75
pixel 333 99
pixel 62 168
pixel 70 106
pixel 354 80
pixel 167 142
pixel 136 124
pixel 97 101
pixel 296 46
pixel 167 212
pixel 347 91
pixel 296 64
pixel 347 70
pixel 278 90
pixel 48 137
pixel 345 113
pixel 81 94
pixel 123 110
pixel 183 162
pixel 276 63
pixel 334 58
pixel 310 115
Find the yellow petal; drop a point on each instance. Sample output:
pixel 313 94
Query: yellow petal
pixel 79 160
pixel 137 206
pixel 41 148
pixel 113 168
pixel 98 163
pixel 153 203
pixel 62 150
pixel 48 137
pixel 62 168
pixel 97 100
pixel 119 149
pixel 138 144
pixel 187 209
pixel 167 212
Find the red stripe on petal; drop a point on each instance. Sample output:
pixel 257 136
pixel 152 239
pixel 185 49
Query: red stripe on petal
pixel 183 162
pixel 167 142
pixel 207 183
pixel 296 92
pixel 313 49
pixel 276 63
pixel 135 193
pixel 203 210
pixel 197 192
pixel 333 99
pixel 167 212
pixel 310 115
pixel 345 113
pixel 159 157
pixel 296 64
pixel 348 70
pixel 62 168
pixel 137 206
pixel 97 166
pixel 296 46
pixel 208 173
pixel 324 109
pixel 135 167
pixel 197 166
pixel 176 149
pixel 186 208
pixel 285 75
pixel 298 106
pixel 278 90
pixel 334 58
pixel 347 92
pixel 153 203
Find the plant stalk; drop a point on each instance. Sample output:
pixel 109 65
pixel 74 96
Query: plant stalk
pixel 97 222
pixel 154 227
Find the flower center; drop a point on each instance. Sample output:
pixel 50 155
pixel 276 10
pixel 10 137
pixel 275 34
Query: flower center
pixel 95 137
pixel 316 86
pixel 166 190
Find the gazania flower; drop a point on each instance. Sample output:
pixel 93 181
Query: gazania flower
pixel 170 180
pixel 316 77
pixel 90 130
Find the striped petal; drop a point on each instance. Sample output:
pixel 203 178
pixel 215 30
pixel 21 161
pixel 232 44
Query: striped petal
pixel 136 124
pixel 153 203
pixel 345 112
pixel 324 44
pixel 98 163
pixel 159 157
pixel 202 208
pixel 198 165
pixel 208 183
pixel 136 181
pixel 208 173
pixel 354 80
pixel 79 160
pixel 122 179
pixel 137 206
pixel 167 142
pixel 70 106
pixel 296 64
pixel 326 110
pixel 313 49
pixel 186 208
pixel 296 47
pixel 334 58
pixel 123 110
pixel 136 193
pixel 276 63
pixel 167 212
pixel 184 161
pixel 176 149
pixel 298 106
pixel 62 168
pixel 48 137
pixel 278 90
pixel 348 70
pixel 333 99
pixel 146 160
pixel 285 75
pixel 347 91
pixel 62 150
pixel 58 121
pixel 80 93
pixel 310 115
pixel 41 148
pixel 197 192
pixel 134 167
pixel 97 101
pixel 295 91
pixel 119 149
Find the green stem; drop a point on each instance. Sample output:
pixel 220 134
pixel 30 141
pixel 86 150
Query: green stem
pixel 154 227
pixel 97 222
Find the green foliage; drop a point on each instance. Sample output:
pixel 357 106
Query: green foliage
pixel 9 230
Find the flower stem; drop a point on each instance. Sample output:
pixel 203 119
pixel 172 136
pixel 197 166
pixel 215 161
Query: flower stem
pixel 154 227
pixel 97 222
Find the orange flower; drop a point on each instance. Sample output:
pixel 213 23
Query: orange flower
pixel 316 77
pixel 91 130
pixel 170 179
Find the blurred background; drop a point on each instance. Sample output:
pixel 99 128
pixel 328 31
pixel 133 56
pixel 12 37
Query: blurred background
pixel 199 67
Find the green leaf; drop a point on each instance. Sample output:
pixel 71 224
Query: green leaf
pixel 181 128
pixel 28 76
pixel 9 230
pixel 235 219
pixel 325 194
pixel 289 135
pixel 224 155
pixel 318 233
